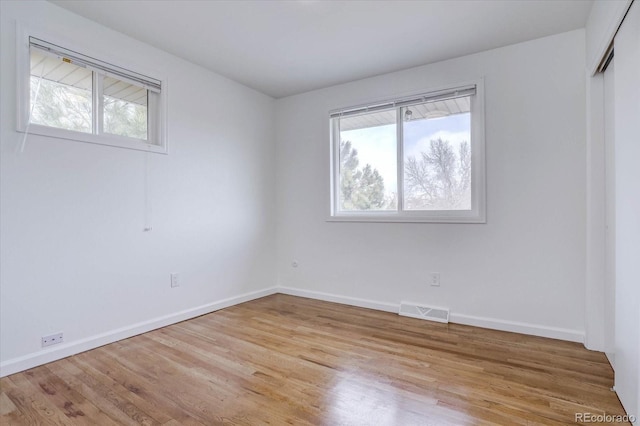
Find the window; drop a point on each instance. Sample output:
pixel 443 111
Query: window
pixel 67 94
pixel 414 159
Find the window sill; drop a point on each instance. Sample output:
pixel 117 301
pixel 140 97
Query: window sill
pixel 396 218
pixel 108 140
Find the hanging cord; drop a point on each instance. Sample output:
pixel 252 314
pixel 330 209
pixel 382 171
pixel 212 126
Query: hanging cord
pixel 20 148
pixel 147 202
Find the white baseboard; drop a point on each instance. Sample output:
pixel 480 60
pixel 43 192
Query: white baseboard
pixel 611 357
pixel 519 327
pixel 327 297
pixel 483 322
pixel 64 350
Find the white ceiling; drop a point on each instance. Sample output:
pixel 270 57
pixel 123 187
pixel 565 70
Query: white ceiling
pixel 286 47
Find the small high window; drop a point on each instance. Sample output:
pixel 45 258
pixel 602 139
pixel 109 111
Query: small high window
pixel 71 95
pixel 414 159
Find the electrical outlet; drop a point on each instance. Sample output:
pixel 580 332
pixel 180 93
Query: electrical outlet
pixel 434 279
pixel 175 280
pixel 52 339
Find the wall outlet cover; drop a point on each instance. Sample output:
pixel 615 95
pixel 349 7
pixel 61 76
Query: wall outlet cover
pixel 52 339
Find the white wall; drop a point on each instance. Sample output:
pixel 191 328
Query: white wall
pixel 601 27
pixel 627 210
pixel 613 109
pixel 522 270
pixel 609 296
pixel 596 234
pixel 74 257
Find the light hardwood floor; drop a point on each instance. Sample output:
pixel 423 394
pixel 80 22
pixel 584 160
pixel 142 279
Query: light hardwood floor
pixel 289 360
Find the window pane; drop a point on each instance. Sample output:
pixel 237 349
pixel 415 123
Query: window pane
pixel 60 93
pixel 368 162
pixel 437 155
pixel 125 109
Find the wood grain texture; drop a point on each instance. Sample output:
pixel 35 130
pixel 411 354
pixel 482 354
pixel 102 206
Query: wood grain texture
pixel 290 360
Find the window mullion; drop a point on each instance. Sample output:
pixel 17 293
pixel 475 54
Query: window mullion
pixel 98 104
pixel 400 159
pixel 152 113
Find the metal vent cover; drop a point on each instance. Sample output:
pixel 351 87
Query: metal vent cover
pixel 430 313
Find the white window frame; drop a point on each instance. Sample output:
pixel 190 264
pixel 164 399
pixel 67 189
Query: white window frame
pixel 477 213
pixel 156 108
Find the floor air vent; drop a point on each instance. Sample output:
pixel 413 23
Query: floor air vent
pixel 424 312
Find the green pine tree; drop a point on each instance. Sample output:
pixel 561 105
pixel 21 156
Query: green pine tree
pixel 360 189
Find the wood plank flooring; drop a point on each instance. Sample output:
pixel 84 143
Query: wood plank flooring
pixel 287 360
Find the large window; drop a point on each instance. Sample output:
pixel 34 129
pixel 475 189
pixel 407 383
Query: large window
pixel 414 159
pixel 70 95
